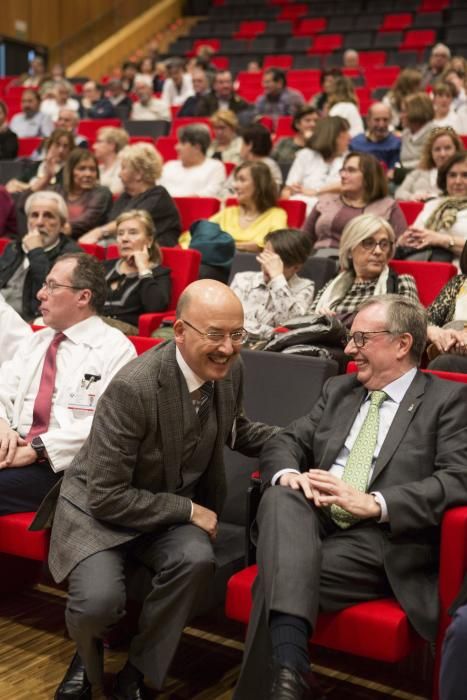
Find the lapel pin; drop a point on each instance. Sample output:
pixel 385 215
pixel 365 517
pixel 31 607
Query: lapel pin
pixel 411 407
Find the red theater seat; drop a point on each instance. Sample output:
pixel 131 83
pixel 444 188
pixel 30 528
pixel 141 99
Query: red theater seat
pixel 193 208
pixel 430 277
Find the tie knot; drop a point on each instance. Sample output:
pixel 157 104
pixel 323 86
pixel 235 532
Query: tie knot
pixel 207 389
pixel 377 398
pixel 57 339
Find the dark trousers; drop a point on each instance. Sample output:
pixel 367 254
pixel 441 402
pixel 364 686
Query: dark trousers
pixel 453 676
pixel 305 564
pixel 23 488
pixel 182 562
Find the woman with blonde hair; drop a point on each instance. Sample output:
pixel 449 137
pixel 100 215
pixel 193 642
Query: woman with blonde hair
pixel 137 283
pixel 421 184
pixel 227 143
pixel 141 166
pixel 417 119
pixel 366 246
pixel 343 103
pixel 109 143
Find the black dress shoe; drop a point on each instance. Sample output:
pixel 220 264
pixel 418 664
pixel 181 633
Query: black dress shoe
pixel 75 684
pixel 128 690
pixel 290 684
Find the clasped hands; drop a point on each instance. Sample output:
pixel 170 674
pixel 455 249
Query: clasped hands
pixel 325 489
pixel 449 340
pixel 418 238
pixel 14 450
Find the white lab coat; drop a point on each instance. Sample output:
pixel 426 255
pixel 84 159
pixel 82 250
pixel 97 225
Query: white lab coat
pixel 13 330
pixel 96 350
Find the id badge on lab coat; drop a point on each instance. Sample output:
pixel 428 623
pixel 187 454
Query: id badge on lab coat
pixel 82 401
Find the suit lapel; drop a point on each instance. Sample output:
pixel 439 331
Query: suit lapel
pixel 404 416
pixel 169 398
pixel 348 407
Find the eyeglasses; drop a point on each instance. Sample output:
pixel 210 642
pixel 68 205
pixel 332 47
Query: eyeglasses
pixel 371 244
pixel 52 286
pixel 236 337
pixel 360 337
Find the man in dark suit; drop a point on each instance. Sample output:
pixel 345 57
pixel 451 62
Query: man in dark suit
pixel 222 96
pixel 148 485
pixel 326 542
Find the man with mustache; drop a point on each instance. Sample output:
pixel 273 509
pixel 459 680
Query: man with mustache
pixel 148 486
pixel 25 263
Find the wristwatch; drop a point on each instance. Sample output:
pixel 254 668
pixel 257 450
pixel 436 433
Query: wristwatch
pixel 39 447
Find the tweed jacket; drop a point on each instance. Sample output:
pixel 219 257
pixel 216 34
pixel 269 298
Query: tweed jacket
pixel 421 471
pixel 123 481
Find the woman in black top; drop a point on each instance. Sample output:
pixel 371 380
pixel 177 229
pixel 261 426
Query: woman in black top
pixel 136 283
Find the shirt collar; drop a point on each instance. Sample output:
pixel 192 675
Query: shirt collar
pixel 397 389
pixel 87 332
pixel 193 381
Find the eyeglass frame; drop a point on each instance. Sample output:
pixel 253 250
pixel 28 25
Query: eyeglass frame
pixel 206 335
pixel 361 344
pixel 375 244
pixel 52 286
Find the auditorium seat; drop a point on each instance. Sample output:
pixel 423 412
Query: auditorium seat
pixel 27 145
pixel 192 209
pixel 430 277
pixel 411 210
pixel 89 127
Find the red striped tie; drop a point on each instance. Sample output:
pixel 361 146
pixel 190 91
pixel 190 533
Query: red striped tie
pixel 43 402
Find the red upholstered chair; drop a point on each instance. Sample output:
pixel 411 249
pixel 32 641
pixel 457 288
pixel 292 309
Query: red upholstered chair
pixel 377 629
pixel 93 249
pixel 90 127
pixel 214 43
pixel 193 208
pixel 292 12
pixel 178 122
pixel 284 61
pixel 418 39
pixel 3 244
pixel 371 59
pixel 394 23
pixel 142 344
pixel 381 76
pixel 430 277
pixel 464 139
pixel 411 210
pixel 310 27
pixel 166 147
pixel 184 266
pixel 250 29
pixel 326 43
pixel 27 145
pixel 141 139
pixel 284 127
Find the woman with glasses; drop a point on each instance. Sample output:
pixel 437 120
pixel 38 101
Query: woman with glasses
pixel 421 184
pixel 366 247
pixel 440 230
pixel 364 190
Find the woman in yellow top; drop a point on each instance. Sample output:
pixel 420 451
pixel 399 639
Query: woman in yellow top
pixel 256 213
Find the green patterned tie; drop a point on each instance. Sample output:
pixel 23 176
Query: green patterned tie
pixel 360 458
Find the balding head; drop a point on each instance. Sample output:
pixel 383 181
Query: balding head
pixel 378 121
pixel 208 328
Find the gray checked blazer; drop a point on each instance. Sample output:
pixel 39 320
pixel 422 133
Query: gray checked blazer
pixel 122 483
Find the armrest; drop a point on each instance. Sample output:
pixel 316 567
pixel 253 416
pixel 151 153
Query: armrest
pixel 453 555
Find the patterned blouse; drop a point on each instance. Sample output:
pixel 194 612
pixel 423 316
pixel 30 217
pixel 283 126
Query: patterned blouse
pixel 442 309
pixel 360 291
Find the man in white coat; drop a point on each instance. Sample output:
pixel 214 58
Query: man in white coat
pixel 49 389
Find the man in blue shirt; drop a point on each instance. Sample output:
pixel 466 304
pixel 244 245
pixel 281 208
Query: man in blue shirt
pixel 377 139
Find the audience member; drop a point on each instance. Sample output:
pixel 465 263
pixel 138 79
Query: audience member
pixel 366 246
pixel 48 171
pixel 194 174
pixel 439 59
pixel 13 330
pixel 69 120
pixel 351 59
pixel 364 190
pixel 226 145
pixel 257 146
pixel 8 215
pixel 149 484
pixel 443 97
pixel 457 79
pixel 342 102
pixel 201 86
pixel 50 388
pixel 417 119
pixel 278 100
pixel 178 85
pixel 355 491
pixel 407 83
pixel 35 76
pixel 147 106
pixel 107 146
pixel 137 283
pixel 326 81
pixel 440 230
pixel 378 140
pixel 222 96
pixel 141 166
pixel 88 202
pixel 276 294
pixel 316 168
pixel 31 121
pixel 147 69
pixel 447 317
pixel 255 214
pixel 117 96
pixel 25 264
pixel 129 71
pixel 8 139
pixel 93 104
pixel 421 184
pixel 303 123
pixel 61 98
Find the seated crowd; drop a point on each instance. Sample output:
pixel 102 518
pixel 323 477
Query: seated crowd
pixel 149 457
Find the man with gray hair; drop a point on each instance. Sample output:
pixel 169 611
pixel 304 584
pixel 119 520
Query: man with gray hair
pixel 148 107
pixel 354 495
pixel 377 139
pixel 439 59
pixel 193 174
pixel 25 263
